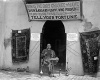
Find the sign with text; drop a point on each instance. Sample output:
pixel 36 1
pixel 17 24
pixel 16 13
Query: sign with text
pixel 54 11
pixel 72 37
pixel 35 36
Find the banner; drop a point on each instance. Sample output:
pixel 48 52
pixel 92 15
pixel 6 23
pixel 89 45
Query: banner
pixel 20 45
pixel 90 50
pixel 54 11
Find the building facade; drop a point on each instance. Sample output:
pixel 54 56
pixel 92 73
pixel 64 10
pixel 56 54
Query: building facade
pixel 65 33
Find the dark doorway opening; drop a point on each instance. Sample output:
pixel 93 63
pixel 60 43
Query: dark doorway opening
pixel 53 32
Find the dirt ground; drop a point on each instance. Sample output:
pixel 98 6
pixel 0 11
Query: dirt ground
pixel 11 75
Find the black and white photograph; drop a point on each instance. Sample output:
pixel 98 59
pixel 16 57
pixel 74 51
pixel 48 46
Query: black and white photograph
pixel 49 39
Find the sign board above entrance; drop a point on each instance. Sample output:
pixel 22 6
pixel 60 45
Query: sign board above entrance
pixel 54 11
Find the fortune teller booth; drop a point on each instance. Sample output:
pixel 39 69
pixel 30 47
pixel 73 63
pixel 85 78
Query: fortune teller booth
pixel 29 25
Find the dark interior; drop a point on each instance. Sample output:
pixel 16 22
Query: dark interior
pixel 54 33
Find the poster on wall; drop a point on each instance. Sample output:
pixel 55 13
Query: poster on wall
pixel 72 37
pixel 54 11
pixel 35 36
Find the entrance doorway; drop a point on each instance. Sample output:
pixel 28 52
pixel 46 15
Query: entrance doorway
pixel 53 32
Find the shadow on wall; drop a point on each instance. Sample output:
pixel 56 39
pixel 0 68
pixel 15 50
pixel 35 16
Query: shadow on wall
pixel 7 42
pixel 88 26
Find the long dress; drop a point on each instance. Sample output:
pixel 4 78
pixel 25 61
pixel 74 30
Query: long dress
pixel 47 55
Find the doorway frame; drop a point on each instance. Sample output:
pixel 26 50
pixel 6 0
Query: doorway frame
pixel 41 42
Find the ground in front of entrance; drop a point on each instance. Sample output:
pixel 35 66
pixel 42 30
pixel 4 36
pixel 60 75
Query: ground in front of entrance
pixel 9 75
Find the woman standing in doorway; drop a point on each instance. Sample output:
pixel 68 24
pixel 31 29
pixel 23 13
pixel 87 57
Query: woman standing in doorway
pixel 47 54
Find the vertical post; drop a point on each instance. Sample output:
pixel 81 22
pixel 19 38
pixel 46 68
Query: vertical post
pixel 66 70
pixel 81 9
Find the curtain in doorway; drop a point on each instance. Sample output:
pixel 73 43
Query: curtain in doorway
pixel 90 51
pixel 20 45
